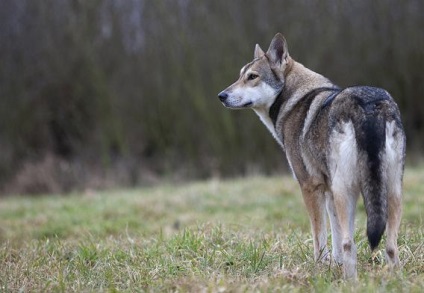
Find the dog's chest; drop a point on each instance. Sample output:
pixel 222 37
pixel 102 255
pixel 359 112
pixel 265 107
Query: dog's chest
pixel 264 116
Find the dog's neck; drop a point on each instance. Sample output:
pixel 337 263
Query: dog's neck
pixel 298 81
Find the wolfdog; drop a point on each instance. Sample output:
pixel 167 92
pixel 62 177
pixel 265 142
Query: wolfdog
pixel 338 142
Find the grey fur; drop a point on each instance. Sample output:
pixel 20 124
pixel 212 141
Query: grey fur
pixel 339 143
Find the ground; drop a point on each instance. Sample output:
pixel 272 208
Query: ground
pixel 246 234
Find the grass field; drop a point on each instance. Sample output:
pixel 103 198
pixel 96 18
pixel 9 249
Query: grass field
pixel 249 234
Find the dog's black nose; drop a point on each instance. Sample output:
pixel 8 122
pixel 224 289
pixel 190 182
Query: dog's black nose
pixel 223 96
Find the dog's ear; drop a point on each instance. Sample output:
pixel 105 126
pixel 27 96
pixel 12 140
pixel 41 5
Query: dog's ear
pixel 278 52
pixel 258 52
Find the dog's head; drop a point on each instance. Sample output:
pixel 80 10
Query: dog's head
pixel 261 80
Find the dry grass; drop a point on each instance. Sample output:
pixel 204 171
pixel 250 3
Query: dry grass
pixel 248 234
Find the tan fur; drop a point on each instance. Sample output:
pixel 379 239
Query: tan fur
pixel 327 135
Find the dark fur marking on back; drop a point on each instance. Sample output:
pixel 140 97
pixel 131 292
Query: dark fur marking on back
pixel 330 98
pixel 274 110
pixel 368 97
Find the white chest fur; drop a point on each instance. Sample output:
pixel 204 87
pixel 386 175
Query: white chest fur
pixel 264 116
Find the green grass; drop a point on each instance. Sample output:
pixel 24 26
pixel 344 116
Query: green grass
pixel 248 234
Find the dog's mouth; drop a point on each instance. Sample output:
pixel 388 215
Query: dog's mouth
pixel 242 106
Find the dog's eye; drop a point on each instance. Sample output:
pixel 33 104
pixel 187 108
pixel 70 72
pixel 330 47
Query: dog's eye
pixel 252 76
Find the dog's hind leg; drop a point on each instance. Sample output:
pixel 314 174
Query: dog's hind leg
pixel 343 160
pixel 393 222
pixel 394 151
pixel 345 205
pixel 336 233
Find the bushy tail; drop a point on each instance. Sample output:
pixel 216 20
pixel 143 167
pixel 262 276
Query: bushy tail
pixel 372 139
pixel 376 207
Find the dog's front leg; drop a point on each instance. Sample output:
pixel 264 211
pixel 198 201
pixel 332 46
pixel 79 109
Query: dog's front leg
pixel 314 198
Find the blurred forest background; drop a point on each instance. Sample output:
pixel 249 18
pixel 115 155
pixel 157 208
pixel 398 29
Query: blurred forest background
pixel 106 93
